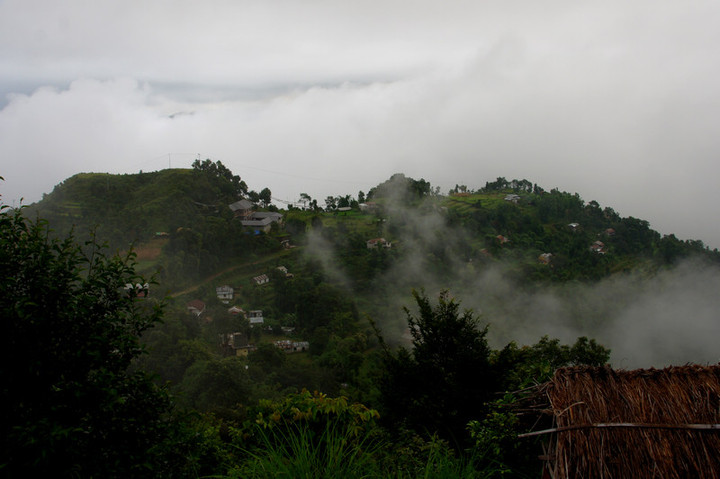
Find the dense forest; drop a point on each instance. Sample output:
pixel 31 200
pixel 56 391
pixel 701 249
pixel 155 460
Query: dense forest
pixel 178 324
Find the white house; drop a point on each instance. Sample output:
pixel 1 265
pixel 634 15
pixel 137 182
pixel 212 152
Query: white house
pixel 262 279
pixel 224 293
pixel 255 317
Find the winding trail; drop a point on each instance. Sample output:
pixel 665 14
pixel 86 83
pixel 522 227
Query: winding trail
pixel 265 259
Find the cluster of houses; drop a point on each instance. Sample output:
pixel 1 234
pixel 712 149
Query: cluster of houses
pixel 237 343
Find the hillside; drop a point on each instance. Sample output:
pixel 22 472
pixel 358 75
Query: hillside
pixel 509 249
pixel 424 307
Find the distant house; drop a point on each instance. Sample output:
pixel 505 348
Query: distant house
pixel 368 207
pixel 224 293
pixel 242 208
pixel 292 346
pixel 236 343
pixel 378 242
pixel 284 271
pixel 598 247
pixel 196 307
pixel 262 279
pixel 545 258
pixel 512 198
pixel 502 239
pixel 255 317
pixel 609 232
pixel 261 220
pixel 236 310
pixel 643 423
pixel 573 226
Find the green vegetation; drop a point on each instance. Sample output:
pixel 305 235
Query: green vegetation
pixel 354 370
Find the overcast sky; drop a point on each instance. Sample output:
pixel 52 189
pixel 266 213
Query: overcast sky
pixel 618 101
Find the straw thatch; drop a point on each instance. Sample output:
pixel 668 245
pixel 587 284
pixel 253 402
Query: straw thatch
pixel 642 423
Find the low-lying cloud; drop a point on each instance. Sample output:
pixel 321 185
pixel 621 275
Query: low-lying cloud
pixel 648 319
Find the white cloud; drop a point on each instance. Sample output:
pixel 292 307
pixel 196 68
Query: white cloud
pixel 614 100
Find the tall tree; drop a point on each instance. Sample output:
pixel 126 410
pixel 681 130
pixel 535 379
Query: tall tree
pixel 446 379
pixel 265 197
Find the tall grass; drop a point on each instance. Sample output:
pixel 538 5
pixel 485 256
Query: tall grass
pixel 300 452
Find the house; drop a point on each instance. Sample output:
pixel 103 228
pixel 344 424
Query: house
pixel 284 271
pixel 236 310
pixel 262 279
pixel 574 226
pixel 368 207
pixel 376 242
pixel 236 344
pixel 261 220
pixel 545 258
pixel 598 247
pixel 196 307
pixel 642 423
pixel 224 293
pixel 255 317
pixel 242 208
pixel 512 198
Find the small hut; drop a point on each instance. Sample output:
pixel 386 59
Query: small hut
pixel 643 423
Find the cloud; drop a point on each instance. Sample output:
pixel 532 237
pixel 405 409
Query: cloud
pixel 615 101
pixel 647 318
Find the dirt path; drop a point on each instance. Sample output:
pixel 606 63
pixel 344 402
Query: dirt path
pixel 228 270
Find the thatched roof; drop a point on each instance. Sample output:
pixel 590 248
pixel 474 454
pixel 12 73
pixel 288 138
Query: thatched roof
pixel 641 423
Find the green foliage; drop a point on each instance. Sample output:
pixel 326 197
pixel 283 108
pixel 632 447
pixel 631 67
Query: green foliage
pixel 525 366
pixel 446 379
pixel 232 185
pixel 309 435
pixel 401 188
pixel 71 330
pixel 216 385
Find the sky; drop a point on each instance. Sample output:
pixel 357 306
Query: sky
pixel 618 101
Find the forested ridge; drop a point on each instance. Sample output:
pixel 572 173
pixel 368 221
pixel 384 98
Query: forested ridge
pixel 367 360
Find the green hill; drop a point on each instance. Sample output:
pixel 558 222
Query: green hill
pixel 528 264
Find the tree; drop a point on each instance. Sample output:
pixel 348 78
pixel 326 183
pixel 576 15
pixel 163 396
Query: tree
pixel 330 203
pixel 305 199
pixel 71 403
pixel 265 197
pixel 447 378
pixel 218 170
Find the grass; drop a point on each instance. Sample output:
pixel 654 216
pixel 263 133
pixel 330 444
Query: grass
pixel 299 452
pixel 334 452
